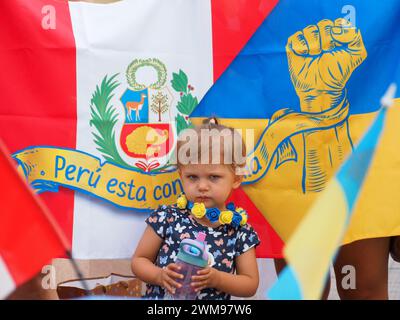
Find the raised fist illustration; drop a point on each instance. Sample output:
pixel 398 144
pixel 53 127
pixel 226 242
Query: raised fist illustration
pixel 321 60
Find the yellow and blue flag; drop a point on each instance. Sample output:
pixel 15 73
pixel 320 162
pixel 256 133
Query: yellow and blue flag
pixel 314 243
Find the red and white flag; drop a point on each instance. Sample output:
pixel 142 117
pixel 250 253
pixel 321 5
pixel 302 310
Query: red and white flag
pixel 79 78
pixel 29 235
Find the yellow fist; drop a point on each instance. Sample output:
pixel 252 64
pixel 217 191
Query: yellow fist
pixel 321 60
pixel 199 210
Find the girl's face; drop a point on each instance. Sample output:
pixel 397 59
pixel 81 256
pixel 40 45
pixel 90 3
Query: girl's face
pixel 211 184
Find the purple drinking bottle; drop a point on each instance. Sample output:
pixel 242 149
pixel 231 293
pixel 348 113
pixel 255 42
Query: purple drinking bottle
pixel 192 256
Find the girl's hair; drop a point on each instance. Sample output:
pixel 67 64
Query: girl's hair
pixel 211 143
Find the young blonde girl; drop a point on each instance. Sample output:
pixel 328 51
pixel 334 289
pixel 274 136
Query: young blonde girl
pixel 209 169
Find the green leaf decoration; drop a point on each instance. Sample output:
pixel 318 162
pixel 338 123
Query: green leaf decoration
pixel 182 124
pixel 180 81
pixel 187 104
pixel 104 118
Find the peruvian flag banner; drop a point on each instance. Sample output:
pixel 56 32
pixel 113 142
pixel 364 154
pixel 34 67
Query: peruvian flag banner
pixel 84 85
pixel 29 235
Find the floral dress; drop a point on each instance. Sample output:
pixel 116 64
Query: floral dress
pixel 224 242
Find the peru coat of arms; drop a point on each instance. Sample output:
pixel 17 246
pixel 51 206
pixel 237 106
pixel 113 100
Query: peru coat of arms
pixel 154 112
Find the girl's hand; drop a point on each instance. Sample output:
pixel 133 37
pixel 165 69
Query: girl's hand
pixel 206 278
pixel 167 276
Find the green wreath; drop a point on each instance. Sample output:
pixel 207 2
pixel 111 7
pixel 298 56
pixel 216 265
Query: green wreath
pixel 151 62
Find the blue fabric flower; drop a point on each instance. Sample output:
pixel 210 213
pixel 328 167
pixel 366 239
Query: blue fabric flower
pixel 236 219
pixel 213 214
pixel 190 205
pixel 230 206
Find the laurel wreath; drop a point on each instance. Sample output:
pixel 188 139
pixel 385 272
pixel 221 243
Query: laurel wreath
pixel 139 63
pixel 104 118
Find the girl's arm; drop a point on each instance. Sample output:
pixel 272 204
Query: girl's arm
pixel 143 262
pixel 145 255
pixel 242 284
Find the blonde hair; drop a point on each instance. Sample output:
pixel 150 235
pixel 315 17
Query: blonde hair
pixel 223 142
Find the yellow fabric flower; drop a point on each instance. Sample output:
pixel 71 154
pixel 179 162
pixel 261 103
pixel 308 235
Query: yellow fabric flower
pixel 225 217
pixel 239 210
pixel 181 202
pixel 244 219
pixel 199 210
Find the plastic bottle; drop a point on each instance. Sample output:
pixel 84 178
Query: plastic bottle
pixel 192 256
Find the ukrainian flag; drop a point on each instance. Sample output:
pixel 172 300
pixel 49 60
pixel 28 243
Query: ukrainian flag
pixel 312 246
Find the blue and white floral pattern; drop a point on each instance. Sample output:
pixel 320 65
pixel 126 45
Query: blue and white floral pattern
pixel 225 243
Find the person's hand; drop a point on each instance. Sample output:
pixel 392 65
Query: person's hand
pixel 168 275
pixel 206 278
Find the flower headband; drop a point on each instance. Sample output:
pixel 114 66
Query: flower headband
pixel 234 216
